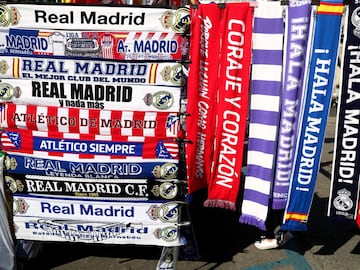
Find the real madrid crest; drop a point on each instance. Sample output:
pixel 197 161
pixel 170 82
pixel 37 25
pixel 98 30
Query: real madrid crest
pixel 343 202
pixel 161 100
pixel 4 67
pixel 13 184
pixel 168 234
pixel 174 74
pixel 177 20
pixel 166 190
pixel 355 20
pixel 7 91
pixel 20 206
pixel 166 212
pixel 166 171
pixel 10 163
pixel 8 16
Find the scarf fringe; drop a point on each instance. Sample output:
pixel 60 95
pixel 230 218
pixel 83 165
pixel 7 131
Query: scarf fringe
pixel 220 204
pixel 251 220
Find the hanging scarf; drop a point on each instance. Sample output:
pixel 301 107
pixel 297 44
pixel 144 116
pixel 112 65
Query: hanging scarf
pixel 71 166
pixel 89 121
pixel 97 232
pixel 75 70
pixel 99 209
pixel 201 92
pixel 121 189
pixel 130 45
pixel 314 115
pixel 298 22
pixel 130 97
pixel 87 145
pixel 264 111
pixel 96 18
pixel 232 105
pixel 344 194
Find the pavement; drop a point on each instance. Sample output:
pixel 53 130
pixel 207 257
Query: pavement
pixel 225 244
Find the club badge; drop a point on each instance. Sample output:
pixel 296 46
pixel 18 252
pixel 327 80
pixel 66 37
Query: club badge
pixel 177 20
pixel 161 100
pixel 168 234
pixel 8 16
pixel 14 185
pixel 166 171
pixel 343 202
pixel 355 20
pixel 10 163
pixel 20 206
pixel 173 74
pixel 7 91
pixel 166 190
pixel 166 212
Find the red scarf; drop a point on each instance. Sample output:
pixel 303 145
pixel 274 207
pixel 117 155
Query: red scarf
pixel 232 106
pixel 202 90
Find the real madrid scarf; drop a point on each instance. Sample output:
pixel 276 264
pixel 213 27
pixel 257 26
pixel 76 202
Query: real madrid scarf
pixel 96 18
pixel 201 94
pixel 96 209
pixel 91 95
pixel 314 115
pixel 121 189
pixel 90 121
pixel 113 45
pixel 264 111
pixel 87 145
pixel 232 104
pixel 344 194
pixel 71 166
pixel 297 26
pixel 75 70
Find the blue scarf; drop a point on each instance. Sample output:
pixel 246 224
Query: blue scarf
pixel 314 115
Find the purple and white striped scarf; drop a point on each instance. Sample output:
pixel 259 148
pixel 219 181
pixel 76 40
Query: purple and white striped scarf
pixel 297 27
pixel 264 111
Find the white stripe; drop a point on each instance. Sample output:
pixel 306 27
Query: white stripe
pixel 266 73
pixel 254 209
pixel 149 116
pixel 106 116
pixel 20 109
pixel 258 102
pixel 257 184
pixel 84 121
pixel 64 112
pixel 41 125
pixel 126 115
pixel 71 135
pixel 261 131
pixel 267 41
pixel 261 159
pixel 269 10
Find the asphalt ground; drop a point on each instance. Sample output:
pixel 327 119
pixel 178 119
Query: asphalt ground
pixel 225 244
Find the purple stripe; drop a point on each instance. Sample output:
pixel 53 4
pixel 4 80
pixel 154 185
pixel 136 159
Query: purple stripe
pixel 262 87
pixel 267 57
pixel 268 26
pixel 260 197
pixel 253 170
pixel 264 117
pixel 267 147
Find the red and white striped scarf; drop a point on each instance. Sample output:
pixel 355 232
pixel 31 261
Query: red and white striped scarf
pixel 90 121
